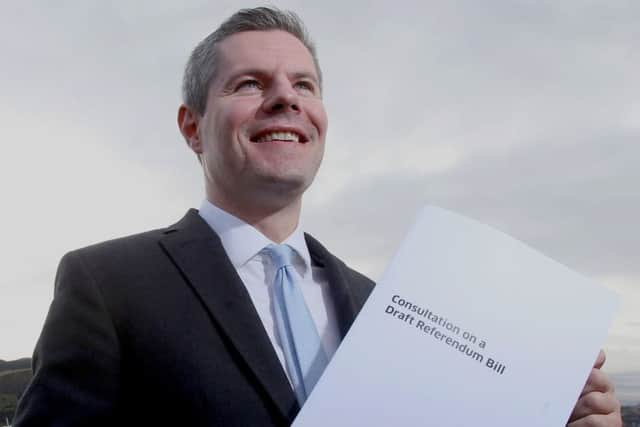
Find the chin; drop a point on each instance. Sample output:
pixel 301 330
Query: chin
pixel 288 185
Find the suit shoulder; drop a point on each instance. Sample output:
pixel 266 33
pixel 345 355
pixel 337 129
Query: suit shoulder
pixel 129 259
pixel 139 245
pixel 126 245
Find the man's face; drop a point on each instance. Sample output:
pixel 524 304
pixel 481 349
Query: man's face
pixel 264 126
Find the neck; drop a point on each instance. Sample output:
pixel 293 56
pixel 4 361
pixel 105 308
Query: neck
pixel 275 222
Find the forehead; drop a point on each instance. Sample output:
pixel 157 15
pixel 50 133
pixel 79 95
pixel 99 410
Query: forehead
pixel 266 50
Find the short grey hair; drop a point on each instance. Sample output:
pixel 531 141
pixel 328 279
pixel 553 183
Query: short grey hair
pixel 202 65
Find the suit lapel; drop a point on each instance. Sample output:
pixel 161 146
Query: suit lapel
pixel 198 253
pixel 346 302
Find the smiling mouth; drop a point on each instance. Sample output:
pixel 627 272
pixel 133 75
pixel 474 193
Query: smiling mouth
pixel 288 136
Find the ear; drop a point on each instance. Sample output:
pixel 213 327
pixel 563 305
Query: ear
pixel 188 123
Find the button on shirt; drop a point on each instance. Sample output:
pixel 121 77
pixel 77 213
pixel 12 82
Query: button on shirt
pixel 244 245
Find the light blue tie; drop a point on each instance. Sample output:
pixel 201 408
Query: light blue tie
pixel 303 353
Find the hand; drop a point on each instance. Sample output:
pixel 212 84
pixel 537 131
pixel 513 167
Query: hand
pixel 597 405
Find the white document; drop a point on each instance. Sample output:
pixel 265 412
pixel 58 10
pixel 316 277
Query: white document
pixel 468 327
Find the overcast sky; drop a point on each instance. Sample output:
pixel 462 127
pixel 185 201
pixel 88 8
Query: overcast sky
pixel 522 114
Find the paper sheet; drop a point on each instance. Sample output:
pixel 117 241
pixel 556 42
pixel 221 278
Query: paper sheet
pixel 468 326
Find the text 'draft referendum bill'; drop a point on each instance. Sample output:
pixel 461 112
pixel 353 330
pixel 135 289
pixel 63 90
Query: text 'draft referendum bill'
pixel 443 330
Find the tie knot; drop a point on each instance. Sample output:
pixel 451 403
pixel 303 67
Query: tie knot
pixel 281 255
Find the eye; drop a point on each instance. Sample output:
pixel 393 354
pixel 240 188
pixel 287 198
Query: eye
pixel 305 86
pixel 248 85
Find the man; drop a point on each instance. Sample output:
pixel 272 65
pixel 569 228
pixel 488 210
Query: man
pixel 185 325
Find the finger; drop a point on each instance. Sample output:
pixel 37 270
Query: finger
pixel 609 420
pixel 600 359
pixel 597 381
pixel 595 403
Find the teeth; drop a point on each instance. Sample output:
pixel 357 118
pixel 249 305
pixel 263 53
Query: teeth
pixel 280 136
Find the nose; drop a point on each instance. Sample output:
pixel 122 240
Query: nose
pixel 281 97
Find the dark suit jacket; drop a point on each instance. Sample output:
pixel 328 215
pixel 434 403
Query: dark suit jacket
pixel 157 329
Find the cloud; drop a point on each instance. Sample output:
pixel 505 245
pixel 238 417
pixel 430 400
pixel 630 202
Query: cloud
pixel 575 201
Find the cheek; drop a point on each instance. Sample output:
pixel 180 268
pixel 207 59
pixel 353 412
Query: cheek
pixel 318 117
pixel 228 127
pixel 234 118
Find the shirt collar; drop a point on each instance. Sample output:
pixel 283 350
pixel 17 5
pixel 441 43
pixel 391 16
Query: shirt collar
pixel 242 241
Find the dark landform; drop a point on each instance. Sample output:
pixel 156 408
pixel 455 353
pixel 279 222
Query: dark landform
pixel 16 374
pixel 14 377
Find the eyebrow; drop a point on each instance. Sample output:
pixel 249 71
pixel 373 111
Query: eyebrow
pixel 306 75
pixel 265 74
